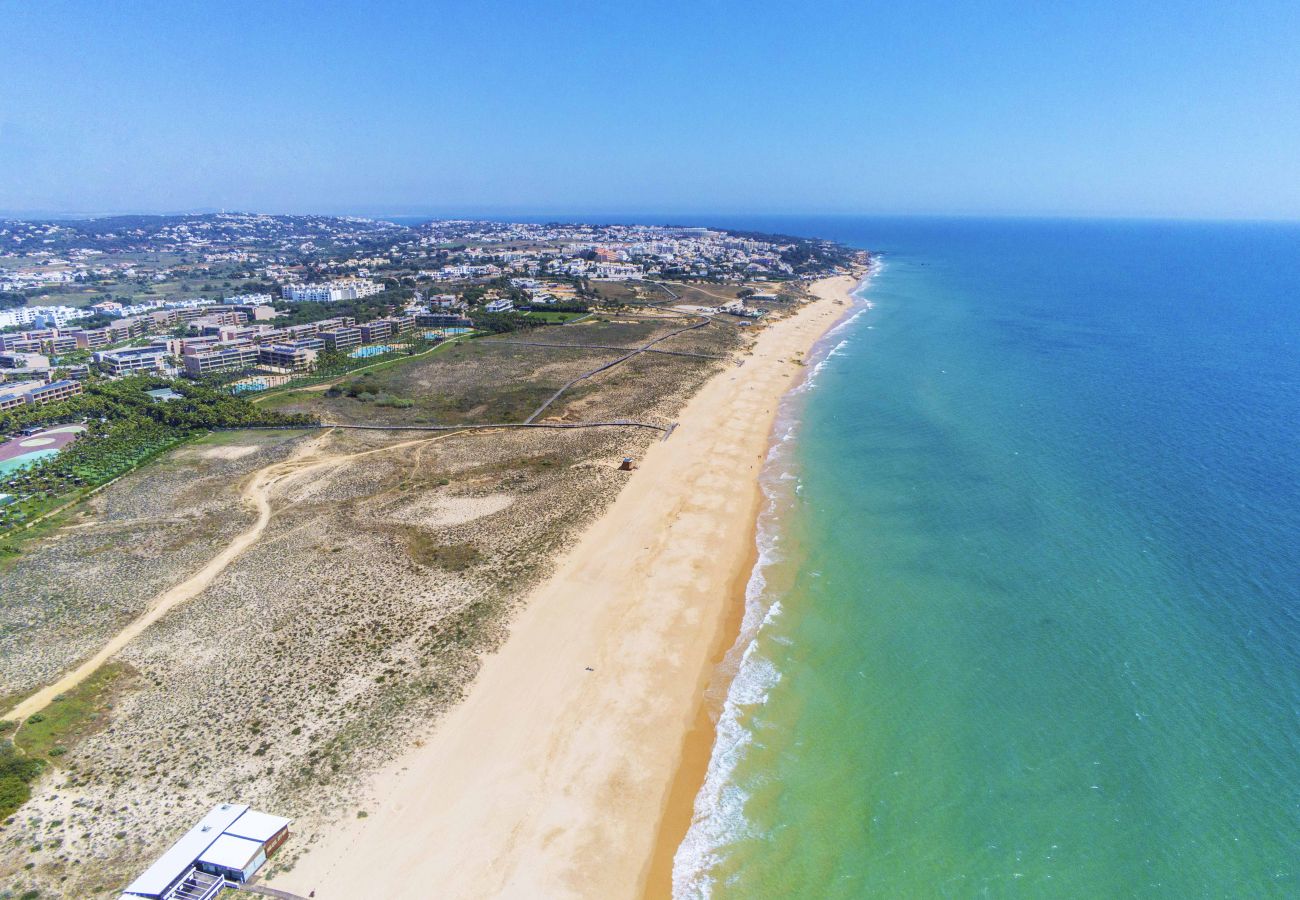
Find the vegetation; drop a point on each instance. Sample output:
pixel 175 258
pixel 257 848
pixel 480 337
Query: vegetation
pixel 74 715
pixel 499 323
pixel 17 772
pixel 363 309
pixel 550 316
pixel 427 551
pixel 125 427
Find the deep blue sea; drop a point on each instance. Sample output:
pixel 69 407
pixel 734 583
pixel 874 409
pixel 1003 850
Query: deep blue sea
pixel 1027 619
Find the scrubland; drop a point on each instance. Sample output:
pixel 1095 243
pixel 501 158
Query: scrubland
pixel 360 614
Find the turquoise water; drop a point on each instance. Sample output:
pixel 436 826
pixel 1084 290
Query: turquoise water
pixel 18 462
pixel 1031 579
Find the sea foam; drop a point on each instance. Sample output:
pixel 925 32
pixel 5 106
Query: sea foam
pixel 746 677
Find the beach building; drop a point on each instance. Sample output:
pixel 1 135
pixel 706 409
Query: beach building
pixel 227 846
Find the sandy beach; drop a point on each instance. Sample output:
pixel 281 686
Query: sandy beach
pixel 562 771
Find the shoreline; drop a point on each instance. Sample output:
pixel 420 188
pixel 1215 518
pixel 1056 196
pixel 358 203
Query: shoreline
pixel 697 746
pixel 568 763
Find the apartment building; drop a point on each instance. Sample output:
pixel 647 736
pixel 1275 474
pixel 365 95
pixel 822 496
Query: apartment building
pixel 441 320
pixel 378 330
pixel 132 359
pixel 341 339
pixel 298 356
pixel 249 300
pixel 14 359
pixel 53 392
pixel 331 291
pixel 219 358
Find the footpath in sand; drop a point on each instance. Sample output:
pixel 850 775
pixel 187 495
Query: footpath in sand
pixel 551 778
pixel 256 491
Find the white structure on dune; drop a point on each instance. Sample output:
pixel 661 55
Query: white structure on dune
pixel 226 847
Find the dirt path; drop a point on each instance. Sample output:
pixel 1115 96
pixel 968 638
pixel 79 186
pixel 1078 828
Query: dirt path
pixel 257 490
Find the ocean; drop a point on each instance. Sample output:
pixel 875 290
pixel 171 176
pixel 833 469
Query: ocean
pixel 1026 620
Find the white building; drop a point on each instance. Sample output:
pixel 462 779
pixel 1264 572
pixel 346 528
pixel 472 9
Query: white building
pixel 249 300
pixel 227 846
pixel 616 271
pixel 47 316
pixel 331 291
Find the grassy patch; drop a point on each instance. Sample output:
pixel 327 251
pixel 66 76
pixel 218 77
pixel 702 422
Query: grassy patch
pixel 17 772
pixel 428 552
pixel 73 716
pixel 13 545
pixel 552 318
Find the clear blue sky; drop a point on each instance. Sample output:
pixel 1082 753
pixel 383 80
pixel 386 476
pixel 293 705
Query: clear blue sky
pixel 1085 108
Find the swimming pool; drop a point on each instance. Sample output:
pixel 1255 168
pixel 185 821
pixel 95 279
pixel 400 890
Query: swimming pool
pixel 20 452
pixel 367 352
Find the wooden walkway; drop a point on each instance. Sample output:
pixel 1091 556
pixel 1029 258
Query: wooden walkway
pixel 269 892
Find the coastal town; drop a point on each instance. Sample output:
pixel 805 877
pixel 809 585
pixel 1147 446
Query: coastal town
pixel 144 297
pixel 246 303
pixel 425 415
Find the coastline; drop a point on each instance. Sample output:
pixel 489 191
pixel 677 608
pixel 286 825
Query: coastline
pixel 699 742
pixel 569 765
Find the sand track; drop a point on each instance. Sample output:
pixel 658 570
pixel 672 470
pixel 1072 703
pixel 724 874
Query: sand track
pixel 257 490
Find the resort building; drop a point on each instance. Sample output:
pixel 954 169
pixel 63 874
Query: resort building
pixel 505 304
pixel 131 359
pixel 15 394
pixel 36 393
pixel 377 330
pixel 59 343
pixel 298 356
pixel 442 320
pixel 402 324
pixel 91 340
pixel 229 358
pixel 12 359
pixel 21 343
pixel 227 847
pixel 258 313
pixel 341 339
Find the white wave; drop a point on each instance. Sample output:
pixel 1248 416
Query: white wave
pixel 747 676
